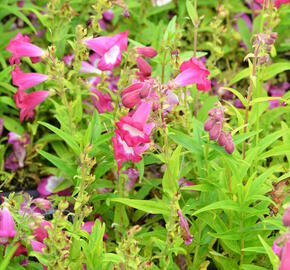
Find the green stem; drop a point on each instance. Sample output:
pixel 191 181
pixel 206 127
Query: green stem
pixel 163 65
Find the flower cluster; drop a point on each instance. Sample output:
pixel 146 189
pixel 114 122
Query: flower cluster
pixel 20 47
pixel 214 125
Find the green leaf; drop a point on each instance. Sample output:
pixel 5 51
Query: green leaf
pixel 272 256
pixel 241 75
pixel 244 32
pixel 238 94
pixel 226 204
pixel 65 136
pixel 170 178
pixel 63 166
pixel 17 13
pixel 8 256
pixel 152 207
pixel 273 70
pixel 12 125
pixel 252 267
pixel 192 12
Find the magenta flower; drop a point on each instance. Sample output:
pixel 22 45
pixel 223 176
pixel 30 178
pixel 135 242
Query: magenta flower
pixel 16 159
pixel 37 246
pixel 147 51
pixel 26 80
pixel 7 225
pixel 48 184
pixel 193 71
pixel 102 101
pixel 28 102
pixel 277 91
pixel 285 257
pixel 124 153
pixel 277 3
pixel 40 233
pixel 133 129
pixel 184 228
pixel 109 49
pixel 41 203
pixel 68 59
pixel 20 46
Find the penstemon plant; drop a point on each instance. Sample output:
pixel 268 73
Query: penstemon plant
pixel 144 135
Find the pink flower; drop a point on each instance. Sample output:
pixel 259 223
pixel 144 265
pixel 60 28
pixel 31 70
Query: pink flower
pixel 28 102
pixel 16 159
pixel 68 59
pixel 184 228
pixel 109 49
pixel 48 184
pixel 147 51
pixel 26 80
pixel 278 3
pixel 285 257
pixel 42 204
pixel 102 101
pixel 20 46
pixel 40 233
pixel 37 246
pixel 193 71
pixel 7 225
pixel 124 153
pixel 133 129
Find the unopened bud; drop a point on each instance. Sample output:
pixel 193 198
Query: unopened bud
pixel 215 131
pixel 222 139
pixel 229 145
pixel 208 125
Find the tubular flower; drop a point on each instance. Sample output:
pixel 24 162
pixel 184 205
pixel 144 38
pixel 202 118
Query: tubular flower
pixel 7 225
pixel 285 257
pixel 132 135
pixel 184 228
pixel 133 129
pixel 124 153
pixel 102 101
pixel 147 51
pixel 193 71
pixel 16 159
pixel 37 246
pixel 109 49
pixel 277 3
pixel 26 80
pixel 28 102
pixel 20 46
pixel 48 184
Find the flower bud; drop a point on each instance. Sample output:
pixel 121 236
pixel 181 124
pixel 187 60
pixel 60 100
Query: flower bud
pixel 222 139
pixel 43 204
pixel 144 90
pixel 147 51
pixel 229 145
pixel 274 35
pixel 208 124
pixel 286 217
pixel 215 131
pixel 144 67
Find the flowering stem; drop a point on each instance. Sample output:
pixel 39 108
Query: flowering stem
pixel 195 40
pixel 249 97
pixel 163 65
